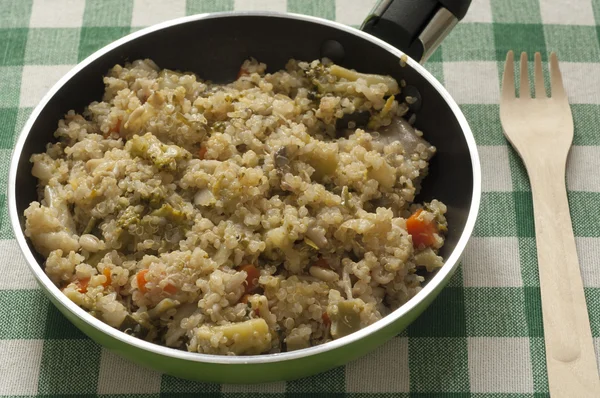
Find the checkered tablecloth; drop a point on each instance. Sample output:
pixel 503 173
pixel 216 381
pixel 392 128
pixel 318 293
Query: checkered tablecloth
pixel 483 337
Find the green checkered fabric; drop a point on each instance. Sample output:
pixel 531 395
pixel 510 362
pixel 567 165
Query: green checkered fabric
pixel 483 337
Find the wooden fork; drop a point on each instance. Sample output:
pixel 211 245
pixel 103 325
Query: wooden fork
pixel 541 131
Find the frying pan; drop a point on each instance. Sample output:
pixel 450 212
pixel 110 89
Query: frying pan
pixel 214 46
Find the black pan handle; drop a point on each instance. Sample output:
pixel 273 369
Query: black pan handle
pixel 417 27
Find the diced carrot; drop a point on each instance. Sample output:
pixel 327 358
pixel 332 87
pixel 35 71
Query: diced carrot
pixel 141 280
pixel 252 276
pixel 106 273
pixel 326 320
pixel 423 232
pixel 82 284
pixel 202 152
pixel 242 72
pixel 116 129
pixel 170 288
pixel 321 263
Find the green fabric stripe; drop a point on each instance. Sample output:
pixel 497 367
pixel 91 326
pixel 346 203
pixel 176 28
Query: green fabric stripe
pixel 445 317
pixel 59 328
pixel 519 177
pixel 6 231
pixel 592 296
pixel 585 214
pixel 328 382
pixel 52 46
pixel 319 8
pixel 495 312
pixel 173 385
pixel 444 357
pixel 8 122
pixel 107 12
pixel 496 215
pixel 22 313
pixel 524 213
pixel 484 120
pixel 470 42
pixel 15 14
pixel 573 43
pixel 519 37
pixel 528 259
pixel 202 6
pixel 516 11
pixel 10 85
pixel 538 365
pixel 12 46
pixel 94 38
pixel 78 371
pixel 534 311
pixel 436 69
pixel 586 118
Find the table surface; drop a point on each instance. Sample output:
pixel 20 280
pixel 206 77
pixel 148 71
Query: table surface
pixel 483 337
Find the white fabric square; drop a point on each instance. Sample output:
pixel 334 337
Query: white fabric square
pixel 597 346
pixel 472 82
pixel 119 376
pixel 353 12
pixel 57 14
pixel 386 367
pixel 20 366
pixel 262 5
pixel 580 12
pixel 37 80
pixel 582 169
pixel 263 388
pixel 581 80
pixel 588 252
pixel 15 271
pixel 150 12
pixel 479 11
pixel 500 365
pixel 495 168
pixel 492 262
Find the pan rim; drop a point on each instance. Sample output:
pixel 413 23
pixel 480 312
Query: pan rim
pixel 445 272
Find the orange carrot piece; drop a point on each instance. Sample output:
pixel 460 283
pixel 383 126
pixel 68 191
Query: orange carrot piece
pixel 170 288
pixel 252 278
pixel 242 72
pixel 423 232
pixel 202 152
pixel 116 129
pixel 245 298
pixel 141 280
pixel 321 263
pixel 326 320
pixel 83 285
pixel 106 273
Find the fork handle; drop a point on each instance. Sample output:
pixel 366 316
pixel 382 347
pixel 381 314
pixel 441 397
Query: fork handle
pixel 572 368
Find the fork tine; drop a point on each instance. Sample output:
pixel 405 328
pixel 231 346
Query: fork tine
pixel 558 89
pixel 508 79
pixel 540 89
pixel 525 92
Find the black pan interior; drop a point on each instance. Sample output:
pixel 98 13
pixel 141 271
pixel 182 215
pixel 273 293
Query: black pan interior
pixel 215 48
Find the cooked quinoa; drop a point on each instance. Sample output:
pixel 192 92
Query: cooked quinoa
pixel 270 214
